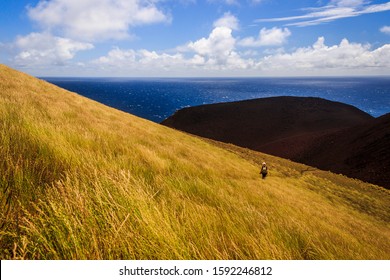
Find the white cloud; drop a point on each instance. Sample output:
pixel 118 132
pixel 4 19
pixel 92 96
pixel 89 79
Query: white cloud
pixel 216 52
pixel 267 37
pixel 140 61
pixel 117 57
pixel 92 20
pixel 217 47
pixel 228 20
pixel 346 58
pixel 336 9
pixel 349 3
pixel 45 49
pixel 385 29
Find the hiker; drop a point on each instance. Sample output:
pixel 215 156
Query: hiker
pixel 264 170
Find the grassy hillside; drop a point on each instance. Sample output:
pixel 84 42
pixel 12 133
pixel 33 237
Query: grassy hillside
pixel 80 180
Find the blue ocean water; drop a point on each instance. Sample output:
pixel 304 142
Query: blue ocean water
pixel 156 99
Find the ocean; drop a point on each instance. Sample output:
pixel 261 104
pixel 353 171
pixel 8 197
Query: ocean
pixel 156 99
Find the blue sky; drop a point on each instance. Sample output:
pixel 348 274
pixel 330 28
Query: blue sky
pixel 163 38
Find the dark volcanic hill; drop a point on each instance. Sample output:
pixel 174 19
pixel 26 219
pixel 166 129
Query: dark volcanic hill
pixel 326 134
pixel 361 151
pixel 278 125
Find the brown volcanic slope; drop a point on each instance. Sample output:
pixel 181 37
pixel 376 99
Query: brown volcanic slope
pixel 326 134
pixel 276 125
pixel 361 152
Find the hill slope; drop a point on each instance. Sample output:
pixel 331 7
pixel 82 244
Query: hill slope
pixel 260 124
pixel 329 135
pixel 80 180
pixel 360 152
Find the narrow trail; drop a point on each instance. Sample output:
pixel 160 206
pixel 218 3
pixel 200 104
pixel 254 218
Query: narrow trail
pixel 257 158
pixel 309 169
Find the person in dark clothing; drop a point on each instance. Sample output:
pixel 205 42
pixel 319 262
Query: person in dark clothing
pixel 264 170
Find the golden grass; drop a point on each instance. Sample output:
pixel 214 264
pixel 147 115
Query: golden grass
pixel 80 180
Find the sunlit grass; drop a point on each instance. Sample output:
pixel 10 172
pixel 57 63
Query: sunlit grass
pixel 80 180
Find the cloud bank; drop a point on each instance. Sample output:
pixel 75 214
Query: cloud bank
pixel 217 55
pixel 91 20
pixel 348 58
pixel 38 49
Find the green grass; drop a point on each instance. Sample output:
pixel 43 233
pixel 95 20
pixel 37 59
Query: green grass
pixel 80 180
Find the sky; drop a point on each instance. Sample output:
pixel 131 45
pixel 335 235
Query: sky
pixel 193 38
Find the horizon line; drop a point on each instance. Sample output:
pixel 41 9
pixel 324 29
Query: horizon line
pixel 212 77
